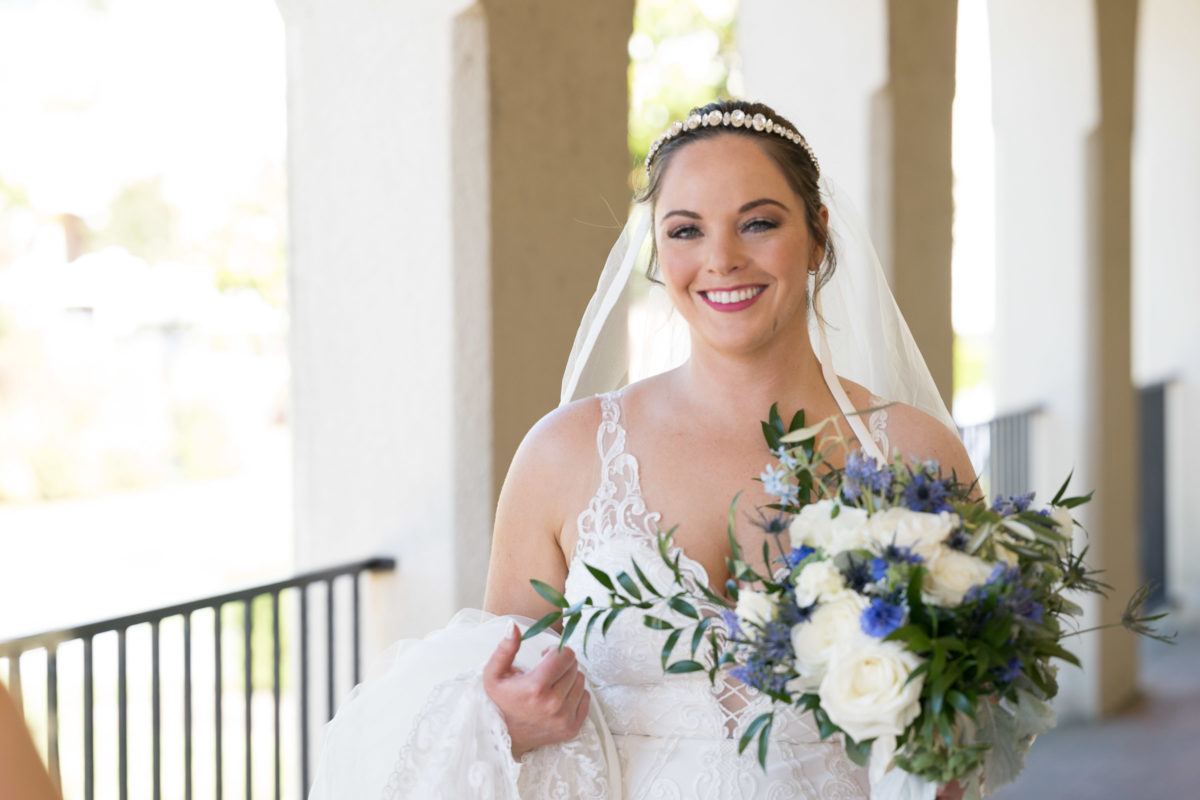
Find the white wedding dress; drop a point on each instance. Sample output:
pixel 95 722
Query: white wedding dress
pixel 415 733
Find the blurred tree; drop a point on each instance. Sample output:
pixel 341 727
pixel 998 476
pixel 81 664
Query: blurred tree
pixel 682 54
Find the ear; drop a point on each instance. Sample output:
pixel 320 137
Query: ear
pixel 819 252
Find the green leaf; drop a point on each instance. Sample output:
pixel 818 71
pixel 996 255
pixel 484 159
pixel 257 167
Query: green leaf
pixel 570 627
pixel 587 632
pixel 774 418
pixel 1062 489
pixel 657 623
pixel 959 701
pixel 611 618
pixel 601 576
pixel 683 607
pixel 628 585
pixel 764 739
pixel 552 595
pixel 753 728
pixel 797 421
pixel 698 635
pixel 859 752
pixel 645 581
pixel 541 625
pixel 680 667
pixel 809 432
pixel 672 639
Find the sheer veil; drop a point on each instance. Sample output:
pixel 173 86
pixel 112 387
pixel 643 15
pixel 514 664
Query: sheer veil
pixel 859 326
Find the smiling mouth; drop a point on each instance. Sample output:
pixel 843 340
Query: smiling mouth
pixel 733 299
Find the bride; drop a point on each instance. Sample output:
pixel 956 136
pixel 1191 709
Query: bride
pixel 742 241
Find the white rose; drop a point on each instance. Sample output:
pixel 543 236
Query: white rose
pixel 920 531
pixel 951 573
pixel 818 581
pixel 816 526
pixel 815 639
pixel 864 691
pixel 754 607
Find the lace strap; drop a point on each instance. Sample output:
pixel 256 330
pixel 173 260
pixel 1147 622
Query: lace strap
pixel 617 506
pixel 877 423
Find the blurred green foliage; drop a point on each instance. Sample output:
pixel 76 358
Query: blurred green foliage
pixel 681 55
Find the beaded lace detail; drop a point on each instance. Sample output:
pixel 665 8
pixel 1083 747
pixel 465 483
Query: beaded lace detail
pixel 677 734
pixel 877 424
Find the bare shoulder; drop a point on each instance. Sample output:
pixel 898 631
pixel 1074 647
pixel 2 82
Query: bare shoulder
pixel 549 480
pixel 922 437
pixel 918 436
pixel 558 448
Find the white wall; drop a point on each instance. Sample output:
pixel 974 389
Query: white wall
pixel 389 293
pixel 1166 244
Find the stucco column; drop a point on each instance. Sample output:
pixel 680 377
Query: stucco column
pixel 1062 97
pixel 451 167
pixel 872 87
pixel 389 294
pixel 559 193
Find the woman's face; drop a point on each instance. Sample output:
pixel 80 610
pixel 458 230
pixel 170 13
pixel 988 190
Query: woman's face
pixel 733 245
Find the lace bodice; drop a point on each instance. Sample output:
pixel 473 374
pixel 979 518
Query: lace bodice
pixel 677 734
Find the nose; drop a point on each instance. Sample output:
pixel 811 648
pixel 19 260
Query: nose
pixel 726 254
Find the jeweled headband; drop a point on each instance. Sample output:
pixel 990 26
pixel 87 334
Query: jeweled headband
pixel 730 119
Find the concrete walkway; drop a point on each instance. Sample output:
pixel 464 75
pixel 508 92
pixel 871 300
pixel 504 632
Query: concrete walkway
pixel 1150 752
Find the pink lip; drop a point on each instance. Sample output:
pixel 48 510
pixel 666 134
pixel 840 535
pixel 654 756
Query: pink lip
pixel 730 307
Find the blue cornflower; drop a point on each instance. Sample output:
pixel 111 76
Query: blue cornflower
pixel 731 622
pixel 1008 506
pixel 881 618
pixel 777 482
pixel 1011 671
pixel 924 493
pixel 789 461
pixel 879 568
pixel 797 555
pixel 863 474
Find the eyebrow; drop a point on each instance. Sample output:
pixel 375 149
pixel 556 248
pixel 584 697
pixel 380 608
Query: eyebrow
pixel 762 201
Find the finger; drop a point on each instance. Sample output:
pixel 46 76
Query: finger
pixel 563 686
pixel 500 663
pixel 553 666
pixel 581 705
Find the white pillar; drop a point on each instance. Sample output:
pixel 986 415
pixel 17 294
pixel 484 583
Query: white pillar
pixel 1062 281
pixel 389 288
pixel 1166 287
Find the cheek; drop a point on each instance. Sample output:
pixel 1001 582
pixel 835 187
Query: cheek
pixel 677 269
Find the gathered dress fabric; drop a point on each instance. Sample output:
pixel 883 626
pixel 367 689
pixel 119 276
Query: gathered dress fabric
pixel 411 733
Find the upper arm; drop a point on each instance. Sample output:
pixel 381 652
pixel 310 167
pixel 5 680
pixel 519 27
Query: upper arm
pixel 920 436
pixel 543 485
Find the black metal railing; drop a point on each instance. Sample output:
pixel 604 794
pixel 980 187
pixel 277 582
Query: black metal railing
pixel 53 643
pixel 1000 452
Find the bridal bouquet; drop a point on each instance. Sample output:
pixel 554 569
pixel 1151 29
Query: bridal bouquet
pixel 907 616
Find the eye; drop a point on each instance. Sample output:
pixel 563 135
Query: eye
pixel 683 232
pixel 759 225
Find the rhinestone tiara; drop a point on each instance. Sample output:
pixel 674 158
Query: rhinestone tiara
pixel 730 119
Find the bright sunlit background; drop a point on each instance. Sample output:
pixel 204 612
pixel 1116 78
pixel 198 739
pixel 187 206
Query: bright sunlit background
pixel 143 365
pixel 143 317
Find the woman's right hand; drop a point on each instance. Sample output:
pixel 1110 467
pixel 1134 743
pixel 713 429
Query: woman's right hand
pixel 546 705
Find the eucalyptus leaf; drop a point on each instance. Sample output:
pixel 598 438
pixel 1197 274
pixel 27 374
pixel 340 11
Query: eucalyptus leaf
pixel 552 595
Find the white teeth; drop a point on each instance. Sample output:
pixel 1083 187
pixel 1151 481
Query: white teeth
pixel 726 298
